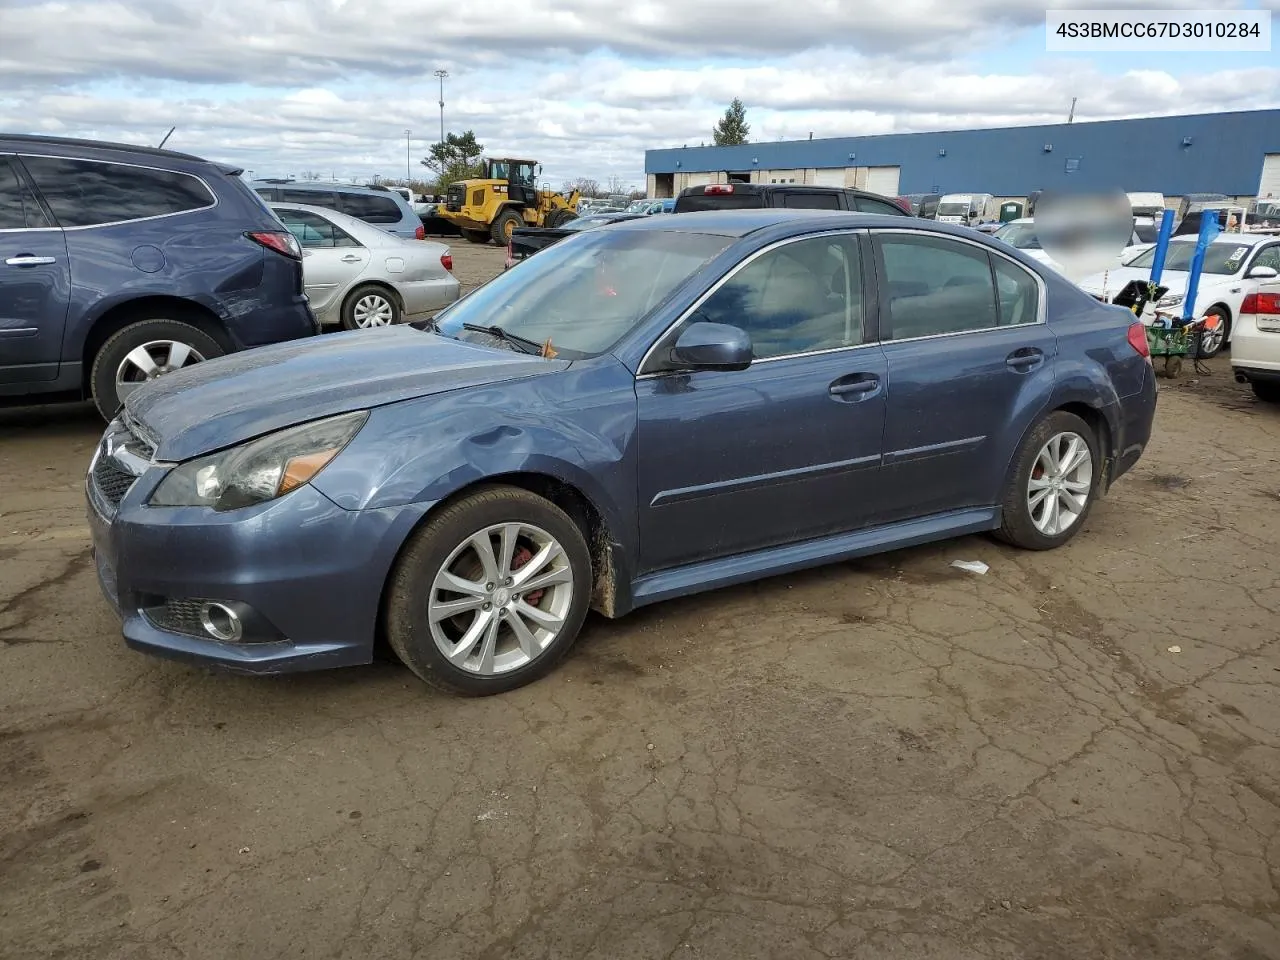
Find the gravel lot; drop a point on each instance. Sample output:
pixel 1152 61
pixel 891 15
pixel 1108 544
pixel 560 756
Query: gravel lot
pixel 1076 755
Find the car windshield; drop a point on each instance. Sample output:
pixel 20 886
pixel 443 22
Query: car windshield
pixel 586 223
pixel 1020 235
pixel 953 209
pixel 1220 258
pixel 586 292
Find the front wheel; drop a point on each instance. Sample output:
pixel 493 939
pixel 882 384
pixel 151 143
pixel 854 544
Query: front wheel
pixel 490 594
pixel 1052 485
pixel 1212 341
pixel 141 352
pixel 505 225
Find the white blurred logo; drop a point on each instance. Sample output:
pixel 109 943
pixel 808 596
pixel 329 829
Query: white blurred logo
pixel 1084 233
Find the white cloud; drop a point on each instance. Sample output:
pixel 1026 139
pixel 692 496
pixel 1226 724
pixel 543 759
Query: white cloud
pixel 582 85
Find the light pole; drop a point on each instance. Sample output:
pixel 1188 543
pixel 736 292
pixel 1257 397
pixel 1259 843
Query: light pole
pixel 407 177
pixel 440 75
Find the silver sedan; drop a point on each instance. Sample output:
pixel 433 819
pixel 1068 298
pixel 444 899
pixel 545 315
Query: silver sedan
pixel 359 276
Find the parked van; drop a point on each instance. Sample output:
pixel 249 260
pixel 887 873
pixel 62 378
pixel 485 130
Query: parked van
pixel 970 209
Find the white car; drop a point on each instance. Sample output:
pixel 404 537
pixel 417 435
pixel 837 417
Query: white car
pixel 1021 233
pixel 1234 266
pixel 359 276
pixel 1255 346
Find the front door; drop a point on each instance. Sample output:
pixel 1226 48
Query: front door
pixel 786 450
pixel 35 283
pixel 969 360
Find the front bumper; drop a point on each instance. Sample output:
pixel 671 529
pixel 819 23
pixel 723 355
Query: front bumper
pixel 311 572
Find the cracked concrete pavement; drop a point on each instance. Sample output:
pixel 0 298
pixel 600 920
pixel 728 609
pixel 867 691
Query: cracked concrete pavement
pixel 879 759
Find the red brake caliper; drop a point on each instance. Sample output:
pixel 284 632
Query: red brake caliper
pixel 518 559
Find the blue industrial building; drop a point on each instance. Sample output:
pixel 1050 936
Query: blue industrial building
pixel 1237 154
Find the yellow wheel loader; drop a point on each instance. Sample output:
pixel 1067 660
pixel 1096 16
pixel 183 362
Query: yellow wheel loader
pixel 504 198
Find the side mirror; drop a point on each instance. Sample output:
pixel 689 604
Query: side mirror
pixel 1263 273
pixel 712 346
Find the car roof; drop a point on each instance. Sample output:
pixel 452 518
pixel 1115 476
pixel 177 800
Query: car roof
pixel 27 141
pixel 739 223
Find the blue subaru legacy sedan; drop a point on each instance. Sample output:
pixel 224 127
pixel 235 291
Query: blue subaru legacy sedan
pixel 642 411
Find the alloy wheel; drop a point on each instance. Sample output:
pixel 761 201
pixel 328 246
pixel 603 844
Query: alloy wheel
pixel 1060 484
pixel 500 599
pixel 150 360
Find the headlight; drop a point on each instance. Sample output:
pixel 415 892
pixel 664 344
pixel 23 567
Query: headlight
pixel 1171 301
pixel 260 470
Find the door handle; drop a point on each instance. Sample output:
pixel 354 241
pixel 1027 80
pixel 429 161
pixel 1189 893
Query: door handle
pixel 350 258
pixel 853 386
pixel 1024 359
pixel 27 260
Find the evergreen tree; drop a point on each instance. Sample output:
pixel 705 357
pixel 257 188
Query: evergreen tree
pixel 733 127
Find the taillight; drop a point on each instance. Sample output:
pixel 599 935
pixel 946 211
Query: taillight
pixel 282 242
pixel 1138 339
pixel 1264 303
pixel 420 233
pixel 718 188
pixel 446 261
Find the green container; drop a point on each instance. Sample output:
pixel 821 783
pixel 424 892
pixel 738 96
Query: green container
pixel 1010 211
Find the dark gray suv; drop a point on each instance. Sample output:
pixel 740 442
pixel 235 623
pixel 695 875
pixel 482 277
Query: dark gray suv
pixel 120 263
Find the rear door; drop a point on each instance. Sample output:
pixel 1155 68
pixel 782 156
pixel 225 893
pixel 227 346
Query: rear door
pixel 332 260
pixel 970 366
pixel 35 282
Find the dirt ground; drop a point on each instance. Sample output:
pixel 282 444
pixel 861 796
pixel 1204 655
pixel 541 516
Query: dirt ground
pixel 1076 755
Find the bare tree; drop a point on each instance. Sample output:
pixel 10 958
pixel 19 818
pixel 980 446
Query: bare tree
pixel 310 174
pixel 585 186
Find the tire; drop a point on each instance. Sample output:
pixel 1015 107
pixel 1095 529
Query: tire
pixel 1223 333
pixel 123 359
pixel 1033 531
pixel 1266 392
pixel 501 662
pixel 369 307
pixel 503 224
pixel 558 218
pixel 475 236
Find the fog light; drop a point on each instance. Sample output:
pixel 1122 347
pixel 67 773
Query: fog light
pixel 220 621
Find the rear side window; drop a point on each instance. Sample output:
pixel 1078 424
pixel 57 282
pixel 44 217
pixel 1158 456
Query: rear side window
pixel 371 208
pixel 693 202
pixel 313 230
pixel 867 205
pixel 811 201
pixel 85 193
pixel 317 198
pixel 18 206
pixel 934 285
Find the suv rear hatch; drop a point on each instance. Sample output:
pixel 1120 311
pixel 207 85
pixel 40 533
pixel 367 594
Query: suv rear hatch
pixel 720 196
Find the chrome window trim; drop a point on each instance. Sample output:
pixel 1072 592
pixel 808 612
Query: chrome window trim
pixel 122 163
pixel 741 265
pixel 1042 305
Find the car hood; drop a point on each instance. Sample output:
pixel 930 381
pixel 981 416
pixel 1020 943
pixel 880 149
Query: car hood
pixel 1175 280
pixel 223 402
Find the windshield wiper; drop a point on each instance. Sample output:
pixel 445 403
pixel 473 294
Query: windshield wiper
pixel 523 343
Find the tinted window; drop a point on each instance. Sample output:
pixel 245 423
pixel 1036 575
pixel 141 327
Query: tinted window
pixel 812 201
pixel 18 206
pixel 313 230
pixel 317 198
pixel 371 208
pixel 1268 257
pixel 801 297
pixel 934 286
pixel 867 205
pixel 1018 293
pixel 737 200
pixel 82 193
pixel 267 193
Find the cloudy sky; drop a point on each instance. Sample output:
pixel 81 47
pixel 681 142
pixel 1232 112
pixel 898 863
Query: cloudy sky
pixel 287 86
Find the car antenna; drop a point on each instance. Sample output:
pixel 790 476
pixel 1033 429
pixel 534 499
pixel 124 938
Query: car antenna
pixel 166 138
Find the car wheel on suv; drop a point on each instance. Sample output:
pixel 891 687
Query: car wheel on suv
pixel 143 351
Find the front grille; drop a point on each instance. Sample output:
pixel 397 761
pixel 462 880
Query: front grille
pixel 178 616
pixel 111 480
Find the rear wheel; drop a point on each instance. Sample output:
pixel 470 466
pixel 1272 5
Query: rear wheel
pixel 1267 392
pixel 490 594
pixel 141 352
pixel 505 225
pixel 475 236
pixel 1052 486
pixel 559 217
pixel 368 307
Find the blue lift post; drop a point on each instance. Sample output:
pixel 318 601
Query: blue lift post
pixel 1162 248
pixel 1209 228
